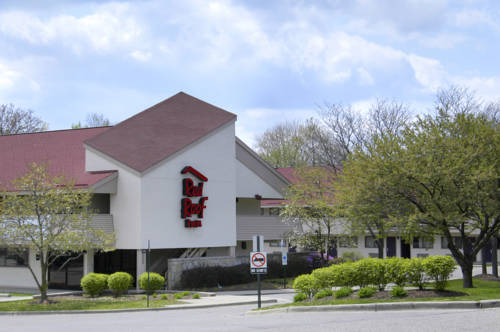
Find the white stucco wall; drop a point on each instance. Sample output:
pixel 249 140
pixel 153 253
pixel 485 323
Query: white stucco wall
pixel 125 205
pixel 249 184
pixel 20 277
pixel 161 192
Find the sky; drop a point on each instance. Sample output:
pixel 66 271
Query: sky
pixel 266 61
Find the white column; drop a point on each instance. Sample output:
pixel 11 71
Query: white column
pixel 232 251
pixel 141 265
pixel 88 262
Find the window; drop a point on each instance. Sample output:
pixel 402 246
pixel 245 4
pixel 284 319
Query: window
pixel 348 242
pixel 274 243
pixel 243 244
pixel 456 240
pixel 274 211
pixel 423 242
pixel 262 211
pixel 11 257
pixel 370 242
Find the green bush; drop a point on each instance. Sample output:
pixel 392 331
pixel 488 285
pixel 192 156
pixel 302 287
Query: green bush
pixel 347 275
pixel 367 271
pixel 343 292
pixel 399 292
pixel 196 296
pixel 156 282
pixel 323 293
pixel 352 256
pixel 380 276
pixel 439 269
pixel 325 277
pixel 120 282
pixel 396 270
pixel 94 284
pixel 299 297
pixel 367 292
pixel 164 296
pixel 306 284
pixel 180 295
pixel 415 271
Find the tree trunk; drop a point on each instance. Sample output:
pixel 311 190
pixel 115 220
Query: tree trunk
pixel 44 284
pixel 467 273
pixel 380 245
pixel 494 256
pixel 484 271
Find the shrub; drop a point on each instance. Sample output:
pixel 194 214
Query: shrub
pixel 416 272
pixel 367 292
pixel 94 284
pixel 352 256
pixel 343 292
pixel 396 270
pixel 439 268
pixel 164 296
pixel 180 295
pixel 399 292
pixel 346 275
pixel 325 277
pixel 120 282
pixel 156 282
pixel 367 271
pixel 380 276
pixel 196 296
pixel 306 284
pixel 299 297
pixel 323 293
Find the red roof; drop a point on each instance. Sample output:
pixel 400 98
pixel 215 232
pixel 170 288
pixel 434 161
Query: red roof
pixel 62 149
pixel 160 131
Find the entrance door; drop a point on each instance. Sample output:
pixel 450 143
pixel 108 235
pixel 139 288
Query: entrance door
pixel 405 249
pixel 391 246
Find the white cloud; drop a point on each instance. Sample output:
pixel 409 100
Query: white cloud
pixel 111 26
pixel 141 55
pixel 428 72
pixel 8 77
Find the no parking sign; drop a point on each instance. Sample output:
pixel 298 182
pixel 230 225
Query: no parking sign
pixel 258 262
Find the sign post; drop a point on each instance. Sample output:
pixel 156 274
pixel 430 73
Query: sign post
pixel 258 263
pixel 284 263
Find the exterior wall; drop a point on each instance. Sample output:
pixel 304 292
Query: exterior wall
pixel 249 184
pixel 250 222
pixel 415 252
pixel 161 194
pixel 125 204
pixel 20 277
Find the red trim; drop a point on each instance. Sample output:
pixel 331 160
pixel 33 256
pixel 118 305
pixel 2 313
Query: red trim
pixel 189 169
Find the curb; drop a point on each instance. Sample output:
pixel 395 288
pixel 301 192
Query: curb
pixel 483 304
pixel 172 307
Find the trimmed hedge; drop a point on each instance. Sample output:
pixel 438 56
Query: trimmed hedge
pixel 120 282
pixel 156 282
pixel 94 284
pixel 379 272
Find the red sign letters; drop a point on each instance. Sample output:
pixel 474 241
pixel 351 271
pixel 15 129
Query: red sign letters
pixel 189 189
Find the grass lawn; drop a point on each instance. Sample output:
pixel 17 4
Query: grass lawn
pixel 483 290
pixel 102 303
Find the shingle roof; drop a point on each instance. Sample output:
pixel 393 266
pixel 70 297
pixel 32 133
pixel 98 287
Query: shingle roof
pixel 62 149
pixel 160 131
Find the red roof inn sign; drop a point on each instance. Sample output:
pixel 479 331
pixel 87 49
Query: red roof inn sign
pixel 189 189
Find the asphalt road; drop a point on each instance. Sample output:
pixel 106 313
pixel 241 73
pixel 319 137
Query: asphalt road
pixel 234 319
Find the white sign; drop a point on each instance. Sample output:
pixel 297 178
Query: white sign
pixel 258 262
pixel 284 258
pixel 258 242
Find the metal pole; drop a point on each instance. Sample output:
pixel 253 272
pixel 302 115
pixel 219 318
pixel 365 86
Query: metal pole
pixel 258 278
pixel 284 276
pixel 148 257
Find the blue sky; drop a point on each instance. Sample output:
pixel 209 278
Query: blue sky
pixel 266 61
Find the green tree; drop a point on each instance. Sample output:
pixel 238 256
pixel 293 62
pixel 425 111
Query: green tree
pixel 50 217
pixel 15 120
pixel 440 176
pixel 309 207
